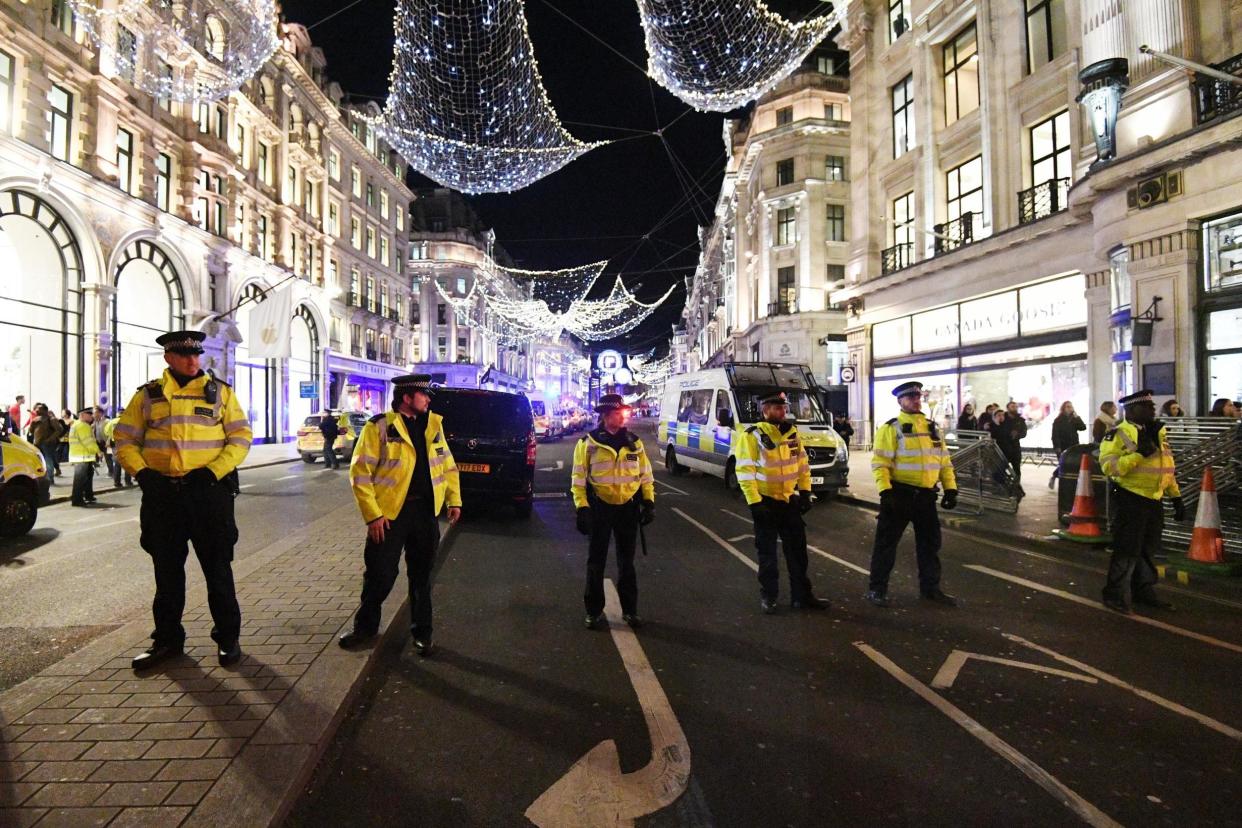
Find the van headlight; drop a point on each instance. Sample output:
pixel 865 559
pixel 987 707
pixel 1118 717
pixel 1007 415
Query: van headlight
pixel 843 454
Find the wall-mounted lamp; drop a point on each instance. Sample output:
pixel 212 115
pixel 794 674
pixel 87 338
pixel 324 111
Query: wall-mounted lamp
pixel 1141 326
pixel 1103 83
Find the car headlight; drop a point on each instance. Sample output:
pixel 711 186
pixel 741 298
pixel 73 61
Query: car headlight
pixel 843 453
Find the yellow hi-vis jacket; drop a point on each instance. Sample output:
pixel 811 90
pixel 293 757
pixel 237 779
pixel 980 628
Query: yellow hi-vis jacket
pixel 913 456
pixel 82 445
pixel 614 476
pixel 346 427
pixel 383 465
pixel 1147 476
pixel 174 430
pixel 771 464
pixel 110 428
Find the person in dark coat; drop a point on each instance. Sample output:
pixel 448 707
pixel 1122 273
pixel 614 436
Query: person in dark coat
pixel 987 421
pixel 968 421
pixel 330 430
pixel 1065 430
pixel 1008 434
pixel 841 424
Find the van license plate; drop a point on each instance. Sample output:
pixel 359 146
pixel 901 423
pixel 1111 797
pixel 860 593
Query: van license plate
pixel 478 468
pixel 817 481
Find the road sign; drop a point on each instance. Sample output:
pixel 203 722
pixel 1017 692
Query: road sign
pixel 308 390
pixel 848 374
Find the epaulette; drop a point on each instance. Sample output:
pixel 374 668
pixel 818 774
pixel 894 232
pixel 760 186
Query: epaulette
pixel 154 389
pixel 752 429
pixel 212 374
pixel 377 418
pixel 633 440
pixel 1110 434
pixel 892 422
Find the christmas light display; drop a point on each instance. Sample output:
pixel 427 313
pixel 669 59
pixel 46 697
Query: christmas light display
pixel 194 51
pixel 718 55
pixel 466 105
pixel 651 372
pixel 559 288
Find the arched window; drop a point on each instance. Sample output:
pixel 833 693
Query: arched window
pixel 267 91
pixel 215 38
pixel 149 301
pixel 303 366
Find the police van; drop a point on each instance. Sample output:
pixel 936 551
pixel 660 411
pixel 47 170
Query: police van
pixel 24 486
pixel 703 414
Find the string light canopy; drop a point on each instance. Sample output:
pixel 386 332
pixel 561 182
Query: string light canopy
pixel 466 104
pixel 718 55
pixel 199 50
pixel 651 372
pixel 558 288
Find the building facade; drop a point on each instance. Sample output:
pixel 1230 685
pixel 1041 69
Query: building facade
pixel 123 215
pixel 778 242
pixel 1008 228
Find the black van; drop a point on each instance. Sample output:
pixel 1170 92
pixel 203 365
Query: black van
pixel 492 437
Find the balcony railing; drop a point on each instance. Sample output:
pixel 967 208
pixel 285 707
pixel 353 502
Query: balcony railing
pixel 394 315
pixel 897 257
pixel 1217 98
pixel 384 356
pixel 1042 200
pixel 785 308
pixel 355 350
pixel 371 353
pixel 957 233
pixel 353 300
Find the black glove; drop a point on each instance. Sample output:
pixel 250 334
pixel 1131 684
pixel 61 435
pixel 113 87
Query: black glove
pixel 804 503
pixel 1179 509
pixel 949 500
pixel 646 513
pixel 201 477
pixel 584 520
pixel 148 477
pixel 888 502
pixel 759 511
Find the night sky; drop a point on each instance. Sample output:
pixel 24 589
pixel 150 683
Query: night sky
pixel 637 202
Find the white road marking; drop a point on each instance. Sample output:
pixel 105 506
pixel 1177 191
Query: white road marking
pixel 246 486
pixel 1087 602
pixel 286 477
pixel 1081 807
pixel 99 526
pixel 671 486
pixel 1206 721
pixel 730 548
pixel 594 792
pixel 957 660
pixel 842 561
pixel 736 515
pixel 548 495
pixel 740 538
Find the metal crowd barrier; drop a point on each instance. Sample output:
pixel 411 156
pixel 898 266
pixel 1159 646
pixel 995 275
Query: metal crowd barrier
pixel 1197 443
pixel 985 480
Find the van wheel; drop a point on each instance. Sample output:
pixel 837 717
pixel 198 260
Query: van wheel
pixel 731 483
pixel 308 458
pixel 670 463
pixel 18 511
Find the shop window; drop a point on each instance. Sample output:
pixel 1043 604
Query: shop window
pixel 60 102
pixel 784 116
pixel 834 169
pixel 1045 32
pixel 784 172
pixel 7 83
pixel 903 116
pixel 898 18
pixel 163 181
pixel 125 159
pixel 1222 241
pixel 786 226
pixel 961 75
pixel 836 222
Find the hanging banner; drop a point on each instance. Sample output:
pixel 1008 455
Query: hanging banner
pixel 270 326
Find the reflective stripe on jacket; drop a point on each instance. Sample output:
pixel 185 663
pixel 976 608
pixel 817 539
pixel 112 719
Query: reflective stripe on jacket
pixel 1151 477
pixel 614 476
pixel 771 464
pixel 176 430
pixel 913 457
pixel 383 465
pixel 82 445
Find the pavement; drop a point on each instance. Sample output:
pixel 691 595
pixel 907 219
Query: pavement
pixel 1029 704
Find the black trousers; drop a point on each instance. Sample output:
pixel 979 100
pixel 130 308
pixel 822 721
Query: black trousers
pixel 1137 525
pixel 783 521
pixel 329 456
pixel 117 471
pixel 172 516
pixel 907 504
pixel 415 530
pixel 606 521
pixel 83 483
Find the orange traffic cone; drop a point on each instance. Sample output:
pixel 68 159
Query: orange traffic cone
pixel 1207 545
pixel 1084 519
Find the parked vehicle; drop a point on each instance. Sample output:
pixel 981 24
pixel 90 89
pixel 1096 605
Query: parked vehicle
pixel 704 412
pixel 24 485
pixel 548 424
pixel 492 437
pixel 310 438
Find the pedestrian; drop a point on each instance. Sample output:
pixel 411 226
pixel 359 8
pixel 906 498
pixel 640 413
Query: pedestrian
pixel 987 422
pixel 44 434
pixel 16 415
pixel 1172 408
pixel 1065 430
pixel 841 423
pixel 330 430
pixel 402 474
pixel 182 437
pixel 99 426
pixel 909 461
pixel 1105 421
pixel 62 450
pixel 775 478
pixel 83 454
pixel 614 492
pixel 1010 430
pixel 967 421
pixel 1136 457
pixel 1224 407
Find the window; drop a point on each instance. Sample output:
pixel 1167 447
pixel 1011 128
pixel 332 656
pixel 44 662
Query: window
pixel 203 117
pixel 834 274
pixel 369 296
pixel 334 219
pixel 332 267
pixel 383 251
pixel 834 170
pixel 371 242
pixel 126 53
pixel 1050 149
pixel 334 164
pixel 903 117
pixel 62 17
pixel 291 186
pixel 61 113
pixel 355 336
pixel 125 159
pixel 355 285
pixel 965 191
pixel 784 172
pixel 370 194
pixel 400 219
pixel 263 239
pixel 440 314
pixel 961 75
pixel 786 291
pixel 834 112
pixel 695 406
pixel 215 38
pixel 1119 280
pixel 836 222
pixel 383 301
pixel 786 226
pixel 166 82
pixel 355 233
pixel 1222 252
pixel 384 204
pixel 416 317
pixel 210 204
pixel 903 219
pixel 163 181
pixel 898 18
pixel 241 146
pixel 1045 32
pixel 825 65
pixel 355 182
pixel 370 340
pixel 6 90
pixel 784 116
pixel 265 174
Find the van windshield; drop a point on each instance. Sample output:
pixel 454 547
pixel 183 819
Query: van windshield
pixel 803 406
pixel 536 407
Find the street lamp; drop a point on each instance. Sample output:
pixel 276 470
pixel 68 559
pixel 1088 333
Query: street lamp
pixel 1103 83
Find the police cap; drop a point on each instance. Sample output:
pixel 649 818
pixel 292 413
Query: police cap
pixel 908 388
pixel 610 402
pixel 409 383
pixel 182 342
pixel 774 397
pixel 1144 396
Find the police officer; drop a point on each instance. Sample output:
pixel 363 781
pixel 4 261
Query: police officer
pixel 614 491
pixel 83 454
pixel 775 478
pixel 182 437
pixel 908 461
pixel 1136 457
pixel 402 474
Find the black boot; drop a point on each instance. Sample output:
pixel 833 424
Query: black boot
pixel 155 654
